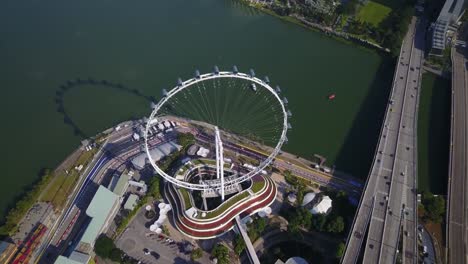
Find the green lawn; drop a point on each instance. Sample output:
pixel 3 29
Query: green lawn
pixel 186 197
pixel 62 184
pixel 60 188
pixel 373 13
pixel 433 134
pixel 257 186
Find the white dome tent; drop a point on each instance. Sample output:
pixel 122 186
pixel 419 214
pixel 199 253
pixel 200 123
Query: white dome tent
pixel 323 207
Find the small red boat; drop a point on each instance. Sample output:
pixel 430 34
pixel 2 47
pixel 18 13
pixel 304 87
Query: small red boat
pixel 331 96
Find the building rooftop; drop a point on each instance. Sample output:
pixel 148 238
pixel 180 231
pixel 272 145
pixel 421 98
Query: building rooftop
pixel 131 202
pixel 309 197
pixel 119 184
pixel 79 257
pixel 6 250
pixel 65 260
pixel 323 206
pixel 157 153
pixel 99 209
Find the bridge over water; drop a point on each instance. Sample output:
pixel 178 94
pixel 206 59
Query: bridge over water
pixel 387 212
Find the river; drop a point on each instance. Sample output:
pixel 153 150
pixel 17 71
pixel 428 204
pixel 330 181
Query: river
pixel 144 46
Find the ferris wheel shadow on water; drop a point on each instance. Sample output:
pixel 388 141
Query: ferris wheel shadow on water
pixel 96 83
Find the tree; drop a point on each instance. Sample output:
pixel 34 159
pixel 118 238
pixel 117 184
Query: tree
pixel 350 7
pixel 301 217
pixel 221 252
pixel 340 250
pixel 434 207
pixel 154 187
pixel 319 221
pixel 196 254
pixel 260 224
pixel 239 244
pixel 116 254
pixel 185 139
pixel 103 246
pixel 335 225
pixel 10 225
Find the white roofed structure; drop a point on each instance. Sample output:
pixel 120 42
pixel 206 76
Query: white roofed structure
pixel 309 197
pixel 323 207
pixel 157 153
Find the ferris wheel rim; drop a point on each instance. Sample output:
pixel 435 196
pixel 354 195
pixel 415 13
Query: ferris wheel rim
pixel 189 83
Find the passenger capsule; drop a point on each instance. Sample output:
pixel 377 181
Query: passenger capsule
pixel 278 89
pixel 197 74
pixel 179 82
pixel 267 80
pixel 235 70
pixel 216 70
pixel 289 126
pixel 252 73
pixel 164 92
pixel 285 100
pixel 289 113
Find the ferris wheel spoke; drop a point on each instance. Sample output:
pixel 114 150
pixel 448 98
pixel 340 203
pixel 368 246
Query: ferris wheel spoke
pixel 228 101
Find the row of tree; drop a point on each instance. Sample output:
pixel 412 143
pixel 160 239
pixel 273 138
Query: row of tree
pixel 14 216
pixel 301 218
pixel 433 207
pixel 221 253
pixel 105 248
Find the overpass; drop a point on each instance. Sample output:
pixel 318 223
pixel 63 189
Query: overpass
pixel 387 211
pixel 248 244
pixel 457 196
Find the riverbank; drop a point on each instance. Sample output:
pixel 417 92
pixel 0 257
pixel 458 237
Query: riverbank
pixel 148 54
pixel 328 31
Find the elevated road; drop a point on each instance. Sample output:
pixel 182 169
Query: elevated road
pixel 387 209
pixel 457 193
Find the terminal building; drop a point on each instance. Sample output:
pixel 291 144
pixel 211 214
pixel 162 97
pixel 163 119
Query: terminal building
pixel 101 210
pixel 156 153
pixel 448 17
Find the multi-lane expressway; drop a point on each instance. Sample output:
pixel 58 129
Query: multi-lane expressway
pixel 387 210
pixel 457 193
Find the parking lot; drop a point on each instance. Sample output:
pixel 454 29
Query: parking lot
pixel 138 237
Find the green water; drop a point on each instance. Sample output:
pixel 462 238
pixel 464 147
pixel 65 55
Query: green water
pixel 145 46
pixel 434 134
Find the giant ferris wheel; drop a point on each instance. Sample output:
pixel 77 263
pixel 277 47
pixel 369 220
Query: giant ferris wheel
pixel 230 103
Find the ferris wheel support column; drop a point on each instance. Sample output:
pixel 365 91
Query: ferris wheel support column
pixel 219 160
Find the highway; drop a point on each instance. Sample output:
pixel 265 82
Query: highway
pixel 353 187
pixel 389 199
pixel 457 193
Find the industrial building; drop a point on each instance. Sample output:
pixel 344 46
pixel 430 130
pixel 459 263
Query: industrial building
pixel 119 184
pixel 101 210
pixel 131 202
